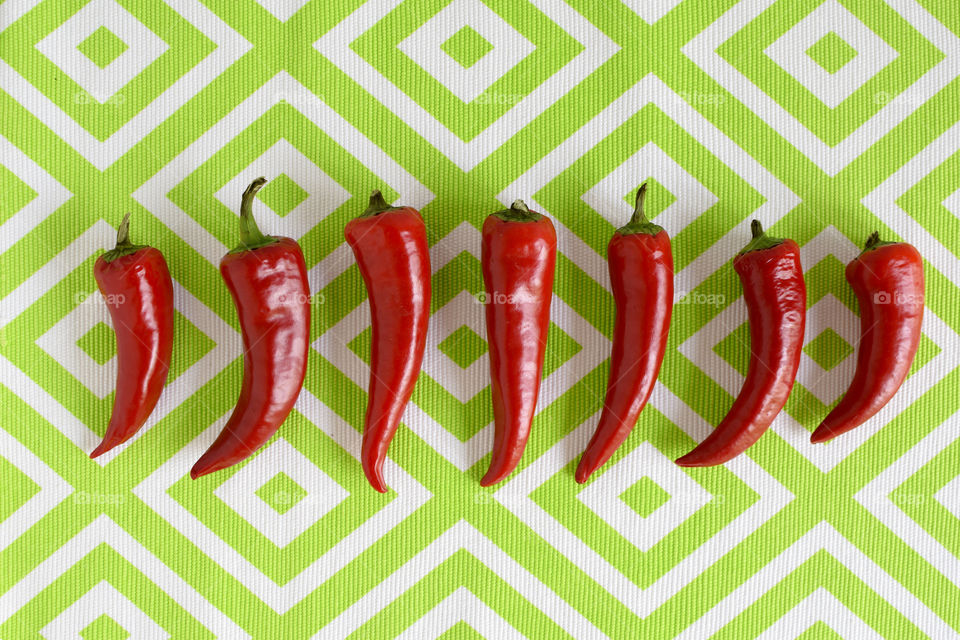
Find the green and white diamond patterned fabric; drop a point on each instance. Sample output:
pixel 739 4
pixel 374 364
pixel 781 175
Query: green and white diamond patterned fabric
pixel 825 120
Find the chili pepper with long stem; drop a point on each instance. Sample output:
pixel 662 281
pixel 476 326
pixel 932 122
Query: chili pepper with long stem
pixel 776 299
pixel 518 257
pixel 887 278
pixel 267 278
pixel 136 285
pixel 641 276
pixel 390 246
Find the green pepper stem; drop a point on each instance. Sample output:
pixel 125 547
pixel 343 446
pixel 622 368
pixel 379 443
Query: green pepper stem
pixel 638 221
pixel 518 212
pixel 123 232
pixel 760 240
pixel 124 246
pixel 639 217
pixel 874 242
pixel 378 205
pixel 250 234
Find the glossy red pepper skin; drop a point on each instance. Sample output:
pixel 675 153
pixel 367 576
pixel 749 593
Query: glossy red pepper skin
pixel 776 299
pixel 136 285
pixel 640 260
pixel 390 246
pixel 267 278
pixel 518 258
pixel 887 278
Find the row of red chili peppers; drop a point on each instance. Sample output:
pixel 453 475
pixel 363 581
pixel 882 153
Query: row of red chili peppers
pixel 267 278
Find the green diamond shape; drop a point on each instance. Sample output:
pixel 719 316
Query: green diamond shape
pixel 18 488
pixel 819 631
pixel 188 45
pixel 657 199
pixel 746 52
pixel 282 195
pixel 831 52
pixel 460 631
pixel 361 344
pixel 104 628
pixel 466 47
pixel 645 496
pixel 828 349
pixel 102 47
pixel 16 194
pixel 281 492
pixel 463 346
pixel 735 348
pixel 99 342
pixel 560 348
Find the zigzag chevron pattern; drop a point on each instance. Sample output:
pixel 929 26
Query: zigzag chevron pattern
pixel 825 119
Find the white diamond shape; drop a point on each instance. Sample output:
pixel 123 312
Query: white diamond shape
pixel 103 598
pixel 104 531
pixel 603 496
pixel 60 343
pixel 877 496
pixel 463 383
pixel 597 49
pixel 324 194
pixel 53 489
pixel 873 54
pixel 143 47
pixel 829 313
pixel 461 536
pixel 692 198
pixel 230 47
pixel 702 49
pixel 515 496
pixel 239 493
pixel 281 598
pixel 509 48
pixel 952 203
pixel 280 89
pixel 822 537
pixel 949 496
pixel 820 606
pixel 461 606
pixel 50 194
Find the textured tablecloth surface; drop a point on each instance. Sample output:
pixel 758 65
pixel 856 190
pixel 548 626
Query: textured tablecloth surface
pixel 824 120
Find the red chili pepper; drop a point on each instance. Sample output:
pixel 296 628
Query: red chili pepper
pixel 641 275
pixel 518 257
pixel 776 298
pixel 390 245
pixel 887 278
pixel 267 278
pixel 136 285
